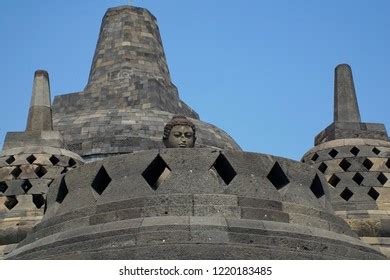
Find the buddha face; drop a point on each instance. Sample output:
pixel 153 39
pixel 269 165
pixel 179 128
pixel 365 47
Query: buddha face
pixel 181 136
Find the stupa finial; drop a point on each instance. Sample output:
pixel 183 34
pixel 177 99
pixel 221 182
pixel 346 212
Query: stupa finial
pixel 40 115
pixel 346 107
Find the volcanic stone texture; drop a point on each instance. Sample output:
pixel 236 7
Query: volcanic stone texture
pixel 25 176
pixel 195 203
pixel 39 115
pixel 128 130
pixel 346 130
pixel 358 173
pixel 129 96
pixel 347 122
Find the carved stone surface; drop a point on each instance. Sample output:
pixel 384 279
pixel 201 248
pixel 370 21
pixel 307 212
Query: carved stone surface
pixel 39 115
pixel 346 107
pixel 355 160
pixel 192 204
pixel 179 132
pixel 129 96
pixel 347 122
pixel 25 176
pixel 358 175
pixel 129 130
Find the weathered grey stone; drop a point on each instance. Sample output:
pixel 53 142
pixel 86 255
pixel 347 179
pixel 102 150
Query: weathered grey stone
pixel 233 225
pixel 39 116
pixel 345 104
pixel 33 138
pixel 355 159
pixel 129 96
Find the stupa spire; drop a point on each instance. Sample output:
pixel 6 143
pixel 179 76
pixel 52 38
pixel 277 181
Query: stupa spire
pixel 39 115
pixel 346 107
pixel 129 45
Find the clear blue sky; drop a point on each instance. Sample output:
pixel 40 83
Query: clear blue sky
pixel 260 70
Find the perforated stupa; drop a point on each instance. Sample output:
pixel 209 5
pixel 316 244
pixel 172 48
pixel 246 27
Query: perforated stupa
pixel 96 165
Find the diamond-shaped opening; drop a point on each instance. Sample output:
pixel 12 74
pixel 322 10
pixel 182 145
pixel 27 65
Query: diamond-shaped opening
pixel 355 151
pixel 277 177
pixel 101 181
pixel 26 186
pixel 16 172
pixel 373 193
pixel 388 163
pixel 10 160
pixel 358 178
pixel 156 172
pixel 344 164
pixel 382 178
pixel 3 186
pixel 333 153
pixel 334 180
pixel 224 169
pixel 346 194
pixel 368 164
pixel 62 191
pixel 40 171
pixel 71 162
pixel 30 159
pixel 38 200
pixel 314 157
pixel 316 187
pixel 322 167
pixel 11 202
pixel 376 151
pixel 54 160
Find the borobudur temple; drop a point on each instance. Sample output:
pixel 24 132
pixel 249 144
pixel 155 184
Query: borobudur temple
pixel 92 178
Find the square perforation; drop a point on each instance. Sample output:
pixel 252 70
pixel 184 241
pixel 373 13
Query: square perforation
pixel 54 160
pixel 314 157
pixel 355 151
pixel 101 181
pixel 358 178
pixel 278 177
pixel 30 159
pixel 322 167
pixel 224 169
pixel 376 151
pixel 334 180
pixel 10 160
pixel 3 186
pixel 373 194
pixel 40 171
pixel 156 173
pixel 26 186
pixel 346 194
pixel 368 164
pixel 38 200
pixel 344 164
pixel 333 153
pixel 382 178
pixel 11 202
pixel 16 172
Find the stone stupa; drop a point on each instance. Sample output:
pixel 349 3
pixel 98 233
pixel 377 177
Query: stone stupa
pixel 212 201
pixel 355 160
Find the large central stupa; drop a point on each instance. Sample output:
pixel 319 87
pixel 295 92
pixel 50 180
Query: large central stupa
pixel 129 96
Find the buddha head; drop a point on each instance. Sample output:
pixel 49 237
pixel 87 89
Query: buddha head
pixel 179 132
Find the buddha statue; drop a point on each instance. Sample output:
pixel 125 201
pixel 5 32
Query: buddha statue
pixel 179 132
